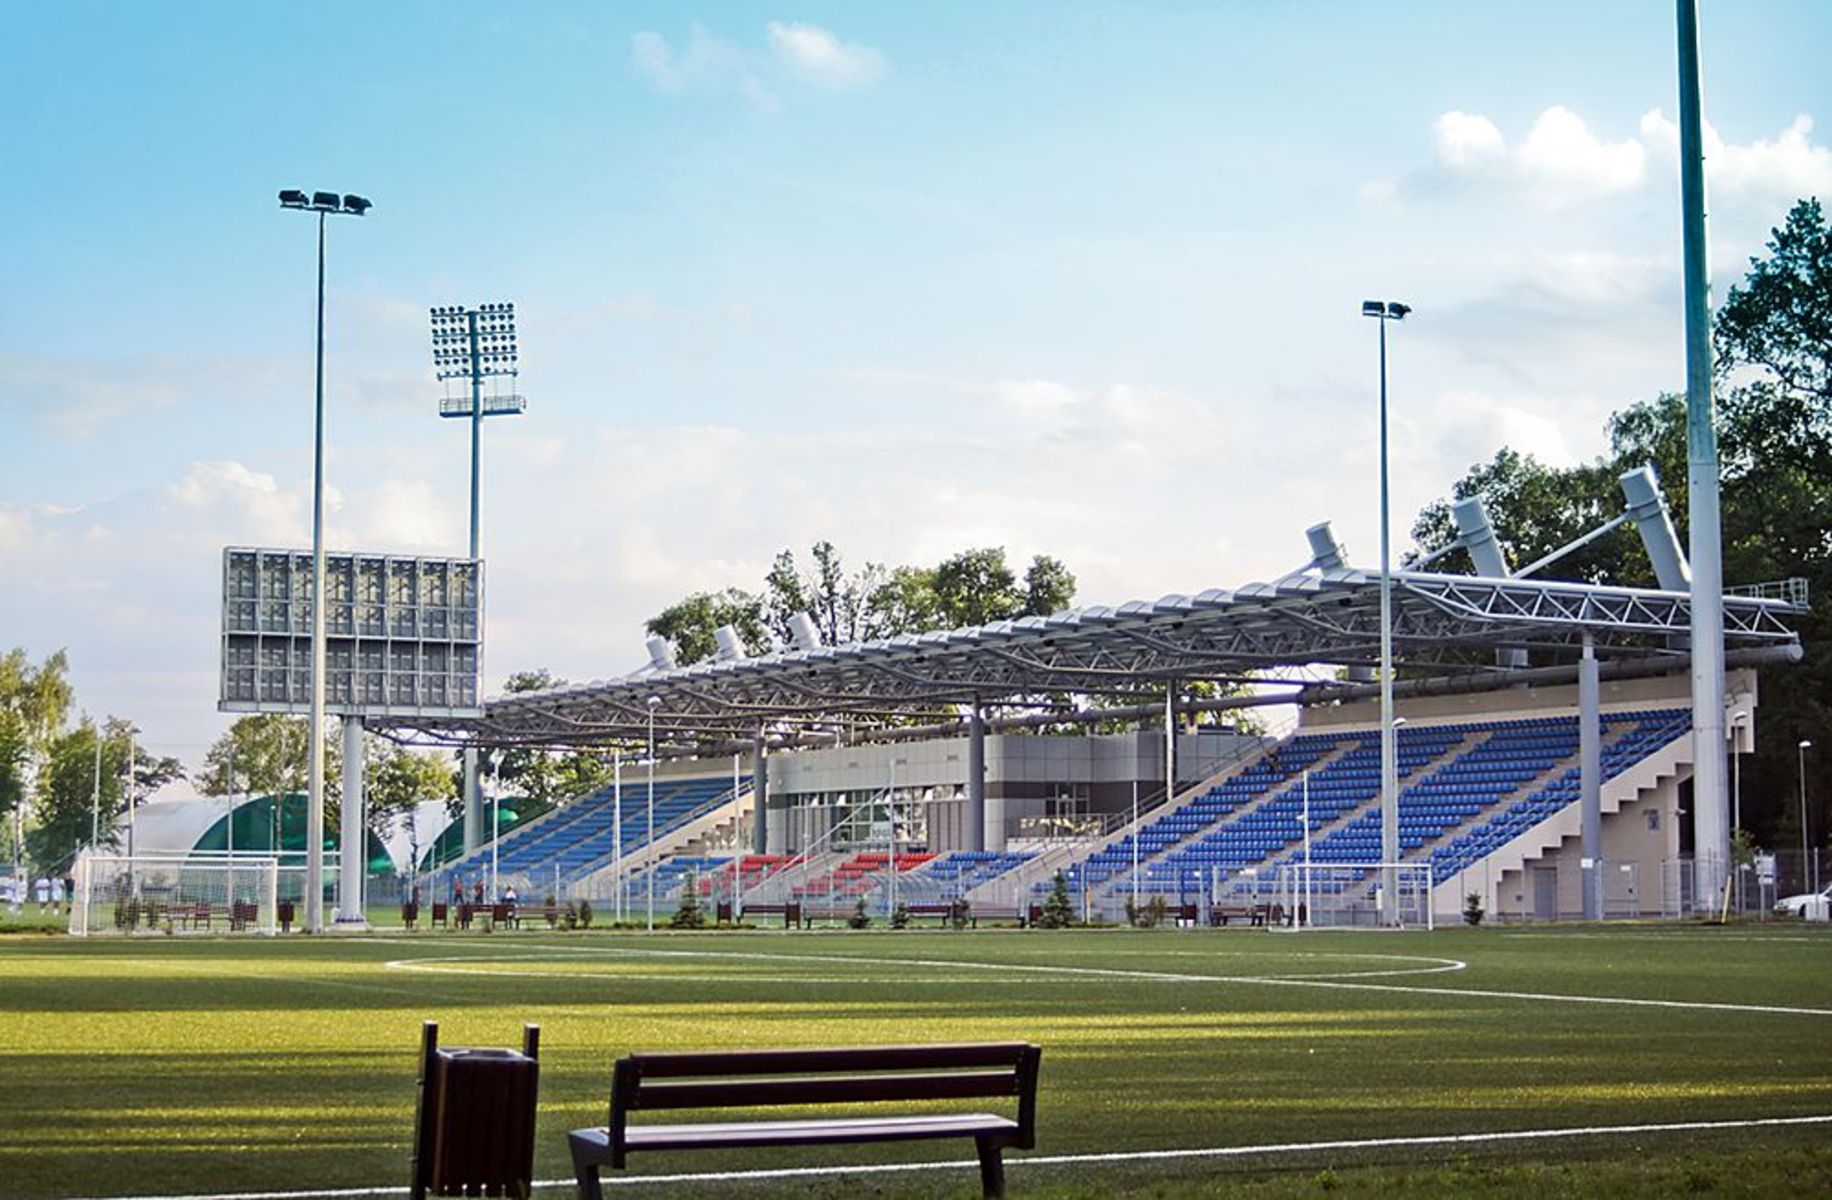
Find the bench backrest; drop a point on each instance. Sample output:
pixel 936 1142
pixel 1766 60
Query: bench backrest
pixel 862 1074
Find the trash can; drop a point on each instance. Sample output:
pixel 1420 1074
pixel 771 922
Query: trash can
pixel 475 1129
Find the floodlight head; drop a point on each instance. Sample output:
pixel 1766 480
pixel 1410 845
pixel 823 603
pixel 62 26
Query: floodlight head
pixel 1373 308
pixel 293 198
pixel 356 206
pixel 1398 311
pixel 326 201
pixel 653 702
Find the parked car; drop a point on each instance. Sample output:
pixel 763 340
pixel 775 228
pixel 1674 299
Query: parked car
pixel 1795 906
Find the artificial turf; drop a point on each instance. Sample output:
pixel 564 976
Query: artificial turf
pixel 202 1065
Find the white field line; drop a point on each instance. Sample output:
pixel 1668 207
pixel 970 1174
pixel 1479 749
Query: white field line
pixel 1446 1139
pixel 435 965
pixel 1340 981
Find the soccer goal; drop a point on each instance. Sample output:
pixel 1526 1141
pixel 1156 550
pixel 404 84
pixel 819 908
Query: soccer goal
pixel 1338 895
pixel 175 894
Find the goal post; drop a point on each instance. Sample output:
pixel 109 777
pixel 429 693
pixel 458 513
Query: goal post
pixel 196 893
pixel 1335 895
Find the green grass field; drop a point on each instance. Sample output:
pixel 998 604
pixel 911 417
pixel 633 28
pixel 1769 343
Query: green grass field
pixel 202 1066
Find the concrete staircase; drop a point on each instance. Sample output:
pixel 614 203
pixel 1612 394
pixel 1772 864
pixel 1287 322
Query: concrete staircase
pixel 1671 761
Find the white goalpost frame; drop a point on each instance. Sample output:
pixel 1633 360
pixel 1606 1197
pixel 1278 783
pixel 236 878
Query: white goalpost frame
pixel 166 871
pixel 1333 895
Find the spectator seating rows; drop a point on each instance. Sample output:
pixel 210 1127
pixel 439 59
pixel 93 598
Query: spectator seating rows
pixel 579 837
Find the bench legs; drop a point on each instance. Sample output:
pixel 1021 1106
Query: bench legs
pixel 587 1153
pixel 992 1168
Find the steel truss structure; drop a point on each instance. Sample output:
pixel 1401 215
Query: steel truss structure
pixel 1442 624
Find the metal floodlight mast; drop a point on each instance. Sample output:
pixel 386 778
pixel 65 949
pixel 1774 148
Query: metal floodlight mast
pixel 1385 311
pixel 323 204
pixel 472 344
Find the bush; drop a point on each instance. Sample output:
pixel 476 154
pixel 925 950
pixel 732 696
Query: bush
pixel 900 917
pixel 585 914
pixel 860 919
pixel 960 913
pixel 1057 913
pixel 1472 909
pixel 691 914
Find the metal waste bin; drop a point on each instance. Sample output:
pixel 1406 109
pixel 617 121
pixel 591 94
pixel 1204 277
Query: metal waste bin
pixel 474 1135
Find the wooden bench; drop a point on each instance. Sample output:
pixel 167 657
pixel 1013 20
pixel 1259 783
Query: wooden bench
pixel 798 1078
pixel 945 911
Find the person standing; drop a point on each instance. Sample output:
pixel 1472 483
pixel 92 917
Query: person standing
pixel 43 891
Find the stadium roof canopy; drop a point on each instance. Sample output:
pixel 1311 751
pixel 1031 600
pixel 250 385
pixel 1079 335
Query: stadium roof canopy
pixel 1443 624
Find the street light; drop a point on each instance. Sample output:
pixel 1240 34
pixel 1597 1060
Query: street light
pixel 1385 311
pixel 1805 854
pixel 324 204
pixel 649 858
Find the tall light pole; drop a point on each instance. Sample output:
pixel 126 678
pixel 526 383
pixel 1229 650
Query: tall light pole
pixel 1384 311
pixel 473 344
pixel 649 850
pixel 1710 824
pixel 1805 842
pixel 323 204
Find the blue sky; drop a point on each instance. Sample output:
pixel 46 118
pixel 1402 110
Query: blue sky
pixel 1068 277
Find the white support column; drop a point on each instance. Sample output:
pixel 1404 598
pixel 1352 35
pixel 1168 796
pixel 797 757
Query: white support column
pixel 764 838
pixel 352 841
pixel 473 804
pixel 1710 804
pixel 978 835
pixel 1590 781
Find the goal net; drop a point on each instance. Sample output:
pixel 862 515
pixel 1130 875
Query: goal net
pixel 175 894
pixel 1339 895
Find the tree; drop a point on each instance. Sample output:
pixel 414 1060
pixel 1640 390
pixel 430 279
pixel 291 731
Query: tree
pixel 34 702
pixel 1774 346
pixel 903 602
pixel 262 754
pixel 689 624
pixel 1049 587
pixel 397 781
pixel 837 602
pixel 543 778
pixel 975 587
pixel 67 801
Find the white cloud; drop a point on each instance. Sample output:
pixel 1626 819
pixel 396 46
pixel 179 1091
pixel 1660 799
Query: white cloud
pixel 706 60
pixel 709 64
pixel 818 56
pixel 1773 172
pixel 1561 162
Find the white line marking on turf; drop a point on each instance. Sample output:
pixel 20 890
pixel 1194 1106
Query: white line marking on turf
pixel 1045 1160
pixel 1555 997
pixel 432 965
pixel 1317 981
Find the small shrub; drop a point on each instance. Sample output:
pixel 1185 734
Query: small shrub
pixel 1057 912
pixel 585 914
pixel 900 917
pixel 860 919
pixel 1472 909
pixel 691 914
pixel 960 912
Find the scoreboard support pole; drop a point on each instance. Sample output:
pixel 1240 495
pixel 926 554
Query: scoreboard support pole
pixel 353 842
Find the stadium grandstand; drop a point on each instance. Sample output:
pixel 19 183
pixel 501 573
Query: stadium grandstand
pixel 1543 739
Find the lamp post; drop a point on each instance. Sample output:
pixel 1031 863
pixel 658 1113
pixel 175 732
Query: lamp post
pixel 1806 856
pixel 648 857
pixel 1384 311
pixel 1738 720
pixel 324 204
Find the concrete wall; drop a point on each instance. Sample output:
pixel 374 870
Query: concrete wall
pixel 1029 777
